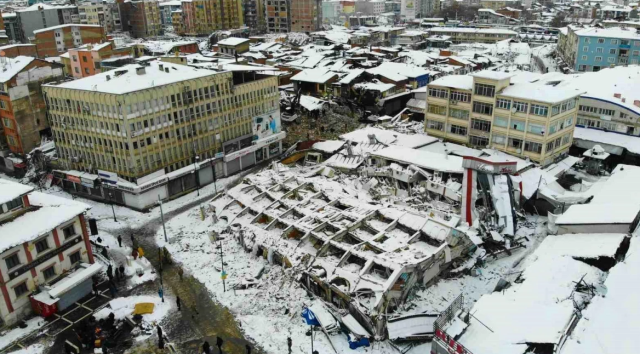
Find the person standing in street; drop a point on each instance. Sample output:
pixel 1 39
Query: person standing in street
pixel 248 348
pixel 206 348
pixel 178 302
pixel 219 343
pixel 95 289
pixel 121 269
pixel 120 240
pixel 110 272
pixel 289 344
pixel 180 273
pixel 161 294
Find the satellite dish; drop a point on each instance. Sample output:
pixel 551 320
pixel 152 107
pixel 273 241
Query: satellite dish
pixel 513 110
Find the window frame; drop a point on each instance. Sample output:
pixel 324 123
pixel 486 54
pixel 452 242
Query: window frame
pixel 65 228
pixel 484 90
pixel 38 245
pixel 22 293
pixel 46 270
pixel 486 107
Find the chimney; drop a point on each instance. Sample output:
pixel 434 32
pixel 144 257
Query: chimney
pixel 141 70
pixel 108 77
pixel 166 70
pixel 161 67
pixel 617 95
pixel 624 100
pixel 636 103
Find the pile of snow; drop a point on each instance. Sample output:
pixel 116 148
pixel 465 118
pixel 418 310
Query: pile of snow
pixel 8 337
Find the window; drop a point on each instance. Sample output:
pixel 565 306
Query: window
pixel 539 110
pixel 585 48
pixel 14 204
pixel 499 139
pixel 86 70
pixel 624 41
pixel 624 115
pixel 42 245
pixel 75 257
pixel 84 59
pixel 636 43
pixel 607 112
pixel 635 53
pixel 3 105
pixel 459 113
pixel 587 40
pixel 478 141
pixel 600 40
pixel 12 261
pixel 596 68
pixel 75 58
pixel 456 129
pixel 438 93
pixel 600 50
pixel 501 122
pixel 21 289
pixel 568 122
pixel 612 51
pixel 77 70
pixel 611 60
pixel 614 41
pixel 432 124
pixel 598 59
pixel 566 139
pixel 549 146
pixel 517 125
pixel 584 58
pixel 69 231
pixel 515 143
pixel 520 106
pixel 483 108
pixel 485 90
pixel 533 147
pixel 588 109
pixel 441 110
pixel 49 273
pixel 503 104
pixel 460 96
pixel 536 129
pixel 481 125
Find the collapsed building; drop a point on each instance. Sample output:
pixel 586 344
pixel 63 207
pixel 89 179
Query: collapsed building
pixel 360 249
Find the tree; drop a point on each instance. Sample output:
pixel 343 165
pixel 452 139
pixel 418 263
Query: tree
pixel 558 21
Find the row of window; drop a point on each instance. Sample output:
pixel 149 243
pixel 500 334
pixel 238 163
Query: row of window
pixel 47 273
pixel 612 51
pixel 455 95
pixel 611 60
pixel 533 128
pixel 42 245
pixel 613 41
pixel 530 146
pixel 11 205
pixel 601 111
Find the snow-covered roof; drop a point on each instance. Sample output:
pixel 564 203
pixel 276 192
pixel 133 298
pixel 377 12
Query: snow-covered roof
pixel 421 158
pixel 590 214
pixel 164 47
pixel 533 311
pixel 388 137
pixel 461 82
pixel 629 142
pixel 65 26
pixel 451 149
pixel 72 280
pixel 610 323
pixel 43 6
pixel 472 30
pixel 52 212
pixel 12 66
pixel 170 3
pixel 611 32
pixel 540 93
pixel 374 86
pixel 311 103
pixel 233 41
pixel 352 75
pixel 129 81
pixel 329 146
pixel 492 75
pixel 318 75
pixel 11 190
pixel 399 71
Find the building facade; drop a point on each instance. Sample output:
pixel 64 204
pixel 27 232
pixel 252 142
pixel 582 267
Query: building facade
pixel 254 15
pixel 278 16
pixel 306 15
pixel 41 15
pixel 469 35
pixel 202 17
pixel 166 8
pixel 593 49
pixel 140 18
pixel 91 13
pixel 22 107
pixel 15 50
pixel 53 41
pixel 171 116
pixel 485 110
pixel 36 256
pixel 12 27
pixel 87 60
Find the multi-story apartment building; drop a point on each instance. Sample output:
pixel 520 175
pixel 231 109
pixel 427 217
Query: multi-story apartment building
pixel 528 120
pixel 22 108
pixel 254 15
pixel 96 13
pixel 87 60
pixel 469 35
pixel 177 22
pixel 201 17
pixel 591 49
pixel 498 4
pixel 44 238
pixel 12 27
pixel 331 11
pixel 278 16
pixel 138 120
pixel 140 18
pixel 166 8
pixel 53 41
pixel 41 15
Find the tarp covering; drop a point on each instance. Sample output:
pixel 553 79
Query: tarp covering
pixel 143 308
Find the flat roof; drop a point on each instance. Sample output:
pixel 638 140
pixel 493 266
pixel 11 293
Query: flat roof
pixel 10 190
pixel 64 26
pixel 422 158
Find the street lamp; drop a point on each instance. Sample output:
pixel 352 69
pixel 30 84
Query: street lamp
pixel 195 170
pixel 112 208
pixel 162 218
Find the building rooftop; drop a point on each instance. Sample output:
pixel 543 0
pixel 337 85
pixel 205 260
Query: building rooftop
pixel 233 41
pixel 64 26
pixel 52 211
pixel 611 32
pixel 492 75
pixel 126 79
pixel 472 30
pixel 11 190
pixel 461 82
pixel 12 66
pixel 318 75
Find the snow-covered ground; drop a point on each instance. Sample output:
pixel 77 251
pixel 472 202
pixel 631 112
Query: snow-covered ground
pixel 8 337
pixel 544 53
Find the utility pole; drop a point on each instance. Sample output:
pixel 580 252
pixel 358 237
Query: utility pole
pixel 112 208
pixel 195 171
pixel 224 274
pixel 162 218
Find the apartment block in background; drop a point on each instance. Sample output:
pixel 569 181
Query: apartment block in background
pixel 44 241
pixel 53 41
pixel 527 119
pixel 41 15
pixel 140 120
pixel 22 107
pixel 306 15
pixel 91 13
pixel 166 9
pixel 278 16
pixel 91 59
pixel 141 18
pixel 12 27
pixel 254 15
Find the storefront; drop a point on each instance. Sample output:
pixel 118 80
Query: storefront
pixel 260 150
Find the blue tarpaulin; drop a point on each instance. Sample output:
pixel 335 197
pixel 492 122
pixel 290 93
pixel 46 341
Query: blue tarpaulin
pixel 310 317
pixel 362 342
